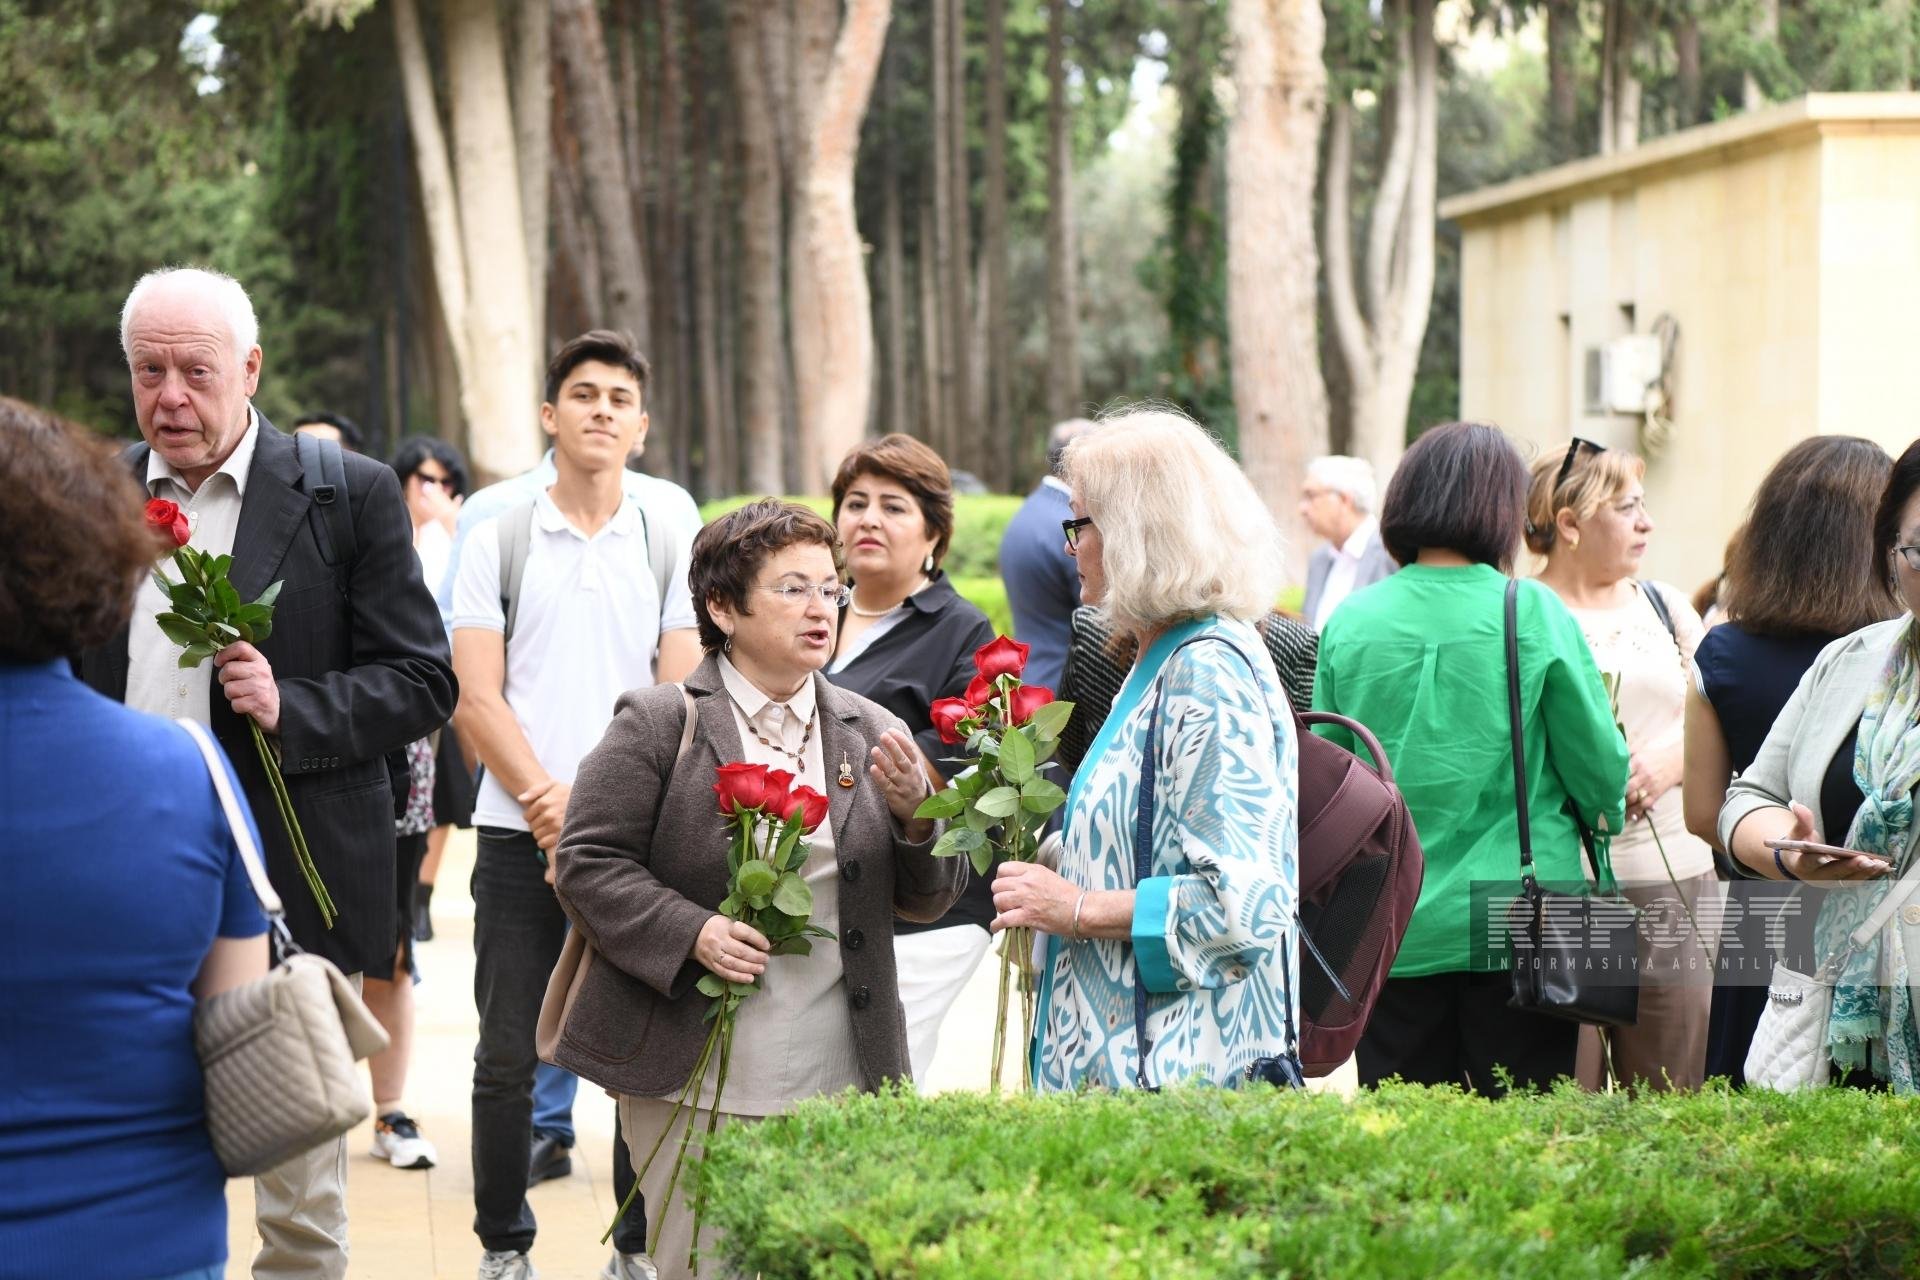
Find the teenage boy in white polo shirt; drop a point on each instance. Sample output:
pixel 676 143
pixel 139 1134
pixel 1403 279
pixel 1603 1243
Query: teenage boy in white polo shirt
pixel 588 621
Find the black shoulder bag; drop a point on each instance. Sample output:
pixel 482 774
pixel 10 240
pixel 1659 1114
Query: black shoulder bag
pixel 1574 955
pixel 1283 1071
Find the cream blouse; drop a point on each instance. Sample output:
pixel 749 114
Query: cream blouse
pixel 794 1037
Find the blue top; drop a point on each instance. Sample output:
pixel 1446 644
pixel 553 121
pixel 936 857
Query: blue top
pixel 1043 584
pixel 1213 925
pixel 1747 678
pixel 117 871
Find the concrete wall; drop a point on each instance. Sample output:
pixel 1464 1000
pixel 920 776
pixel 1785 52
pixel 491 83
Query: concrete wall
pixel 1789 255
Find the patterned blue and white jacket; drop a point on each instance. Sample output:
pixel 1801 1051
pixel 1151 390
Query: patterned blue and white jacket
pixel 1214 924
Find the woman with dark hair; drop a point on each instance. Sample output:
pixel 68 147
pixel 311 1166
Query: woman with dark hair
pixel 1828 798
pixel 1420 658
pixel 126 900
pixel 641 866
pixel 1794 584
pixel 906 639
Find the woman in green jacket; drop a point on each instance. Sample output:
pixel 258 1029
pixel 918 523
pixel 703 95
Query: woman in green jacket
pixel 1420 659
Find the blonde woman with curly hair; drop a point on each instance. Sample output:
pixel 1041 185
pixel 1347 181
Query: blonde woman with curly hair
pixel 1176 549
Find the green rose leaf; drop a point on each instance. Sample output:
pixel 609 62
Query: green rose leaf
pixel 793 896
pixel 179 629
pixel 197 654
pixel 999 802
pixel 793 947
pixel 741 988
pixel 160 581
pixel 756 879
pixel 267 597
pixel 947 845
pixel 225 597
pixel 1050 721
pixel 220 567
pixel 982 858
pixel 1016 757
pixel 711 984
pixel 966 840
pixel 941 805
pixel 979 822
pixel 1041 796
pixel 787 855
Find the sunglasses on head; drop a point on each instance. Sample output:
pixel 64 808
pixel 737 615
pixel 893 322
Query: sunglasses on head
pixel 1566 463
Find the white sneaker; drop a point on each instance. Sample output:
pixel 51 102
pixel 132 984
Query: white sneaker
pixel 506 1264
pixel 630 1266
pixel 397 1140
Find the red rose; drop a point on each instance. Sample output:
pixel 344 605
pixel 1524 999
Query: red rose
pixel 813 807
pixel 1029 698
pixel 947 715
pixel 1001 657
pixel 775 798
pixel 979 692
pixel 170 520
pixel 740 786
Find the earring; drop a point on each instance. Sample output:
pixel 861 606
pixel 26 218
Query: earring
pixel 927 568
pixel 726 646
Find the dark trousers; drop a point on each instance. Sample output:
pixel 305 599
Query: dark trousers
pixel 1456 1028
pixel 518 929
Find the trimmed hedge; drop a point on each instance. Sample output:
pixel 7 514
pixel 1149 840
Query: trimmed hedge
pixel 1402 1181
pixel 973 562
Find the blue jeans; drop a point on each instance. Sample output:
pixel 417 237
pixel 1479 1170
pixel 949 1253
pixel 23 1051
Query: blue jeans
pixel 553 1091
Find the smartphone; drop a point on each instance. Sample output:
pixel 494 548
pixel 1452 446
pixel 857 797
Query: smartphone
pixel 1830 853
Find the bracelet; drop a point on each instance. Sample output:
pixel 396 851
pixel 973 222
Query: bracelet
pixel 1078 902
pixel 1784 873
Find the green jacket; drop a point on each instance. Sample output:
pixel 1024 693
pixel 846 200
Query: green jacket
pixel 1420 659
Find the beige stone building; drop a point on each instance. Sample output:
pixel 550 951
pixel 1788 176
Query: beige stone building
pixel 1708 299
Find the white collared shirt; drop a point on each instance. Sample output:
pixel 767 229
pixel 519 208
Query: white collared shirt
pixel 589 621
pixel 1344 571
pixel 155 680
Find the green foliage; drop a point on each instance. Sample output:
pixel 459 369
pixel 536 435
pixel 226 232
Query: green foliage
pixel 1400 1182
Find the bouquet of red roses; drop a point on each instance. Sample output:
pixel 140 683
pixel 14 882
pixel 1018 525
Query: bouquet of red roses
pixel 1002 799
pixel 206 616
pixel 771 818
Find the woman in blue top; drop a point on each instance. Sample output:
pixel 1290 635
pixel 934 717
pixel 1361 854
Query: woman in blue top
pixel 1175 547
pixel 122 899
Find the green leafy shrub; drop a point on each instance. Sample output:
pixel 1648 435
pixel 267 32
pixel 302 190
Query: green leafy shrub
pixel 989 595
pixel 978 521
pixel 1399 1182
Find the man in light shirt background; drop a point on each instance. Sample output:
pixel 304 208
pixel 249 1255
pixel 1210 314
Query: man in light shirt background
pixel 1337 503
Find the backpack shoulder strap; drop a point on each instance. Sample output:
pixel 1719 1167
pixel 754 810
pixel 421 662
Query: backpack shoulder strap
pixel 515 528
pixel 135 456
pixel 324 473
pixel 660 552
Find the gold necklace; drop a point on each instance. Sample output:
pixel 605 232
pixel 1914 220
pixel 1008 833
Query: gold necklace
pixel 795 756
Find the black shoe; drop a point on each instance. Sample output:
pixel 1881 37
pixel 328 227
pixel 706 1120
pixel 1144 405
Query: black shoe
pixel 551 1159
pixel 422 913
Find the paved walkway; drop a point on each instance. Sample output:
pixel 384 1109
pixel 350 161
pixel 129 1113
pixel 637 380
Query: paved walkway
pixel 418 1224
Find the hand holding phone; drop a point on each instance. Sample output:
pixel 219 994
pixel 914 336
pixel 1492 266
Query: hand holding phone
pixel 1831 862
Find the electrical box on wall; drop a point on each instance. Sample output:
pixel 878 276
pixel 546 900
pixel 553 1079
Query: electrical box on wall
pixel 1619 374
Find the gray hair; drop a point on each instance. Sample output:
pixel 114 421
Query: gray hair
pixel 1351 476
pixel 1060 436
pixel 224 291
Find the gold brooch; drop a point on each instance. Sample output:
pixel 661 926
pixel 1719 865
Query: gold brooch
pixel 846 770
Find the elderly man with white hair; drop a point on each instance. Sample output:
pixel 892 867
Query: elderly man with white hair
pixel 1337 503
pixel 356 666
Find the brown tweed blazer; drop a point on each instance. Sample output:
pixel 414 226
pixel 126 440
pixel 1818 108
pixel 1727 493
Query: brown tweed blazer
pixel 641 866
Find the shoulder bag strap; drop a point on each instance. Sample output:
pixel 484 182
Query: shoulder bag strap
pixel 1512 628
pixel 1660 610
pixel 1143 868
pixel 242 836
pixel 324 473
pixel 515 531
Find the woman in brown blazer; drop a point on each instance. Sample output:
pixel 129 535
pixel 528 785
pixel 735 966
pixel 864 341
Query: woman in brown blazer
pixel 642 866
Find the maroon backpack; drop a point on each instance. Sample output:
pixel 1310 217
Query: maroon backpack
pixel 1360 872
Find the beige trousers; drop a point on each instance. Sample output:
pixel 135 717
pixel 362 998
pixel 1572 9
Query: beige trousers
pixel 1666 1048
pixel 670 1225
pixel 300 1211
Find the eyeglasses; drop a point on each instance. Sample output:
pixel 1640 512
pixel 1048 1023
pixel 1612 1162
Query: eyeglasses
pixel 1911 555
pixel 1072 529
pixel 1566 464
pixel 834 594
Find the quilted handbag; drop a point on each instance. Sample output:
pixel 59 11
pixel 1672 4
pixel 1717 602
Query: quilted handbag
pixel 278 1053
pixel 1789 1049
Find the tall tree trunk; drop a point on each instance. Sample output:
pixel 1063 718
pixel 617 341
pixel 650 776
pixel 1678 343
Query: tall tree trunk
pixel 574 287
pixel 898 415
pixel 716 464
pixel 582 46
pixel 943 426
pixel 498 322
pixel 1563 87
pixel 1064 389
pixel 1686 58
pixel 1766 28
pixel 1626 94
pixel 1280 86
pixel 1379 326
pixel 1609 89
pixel 763 462
pixel 673 326
pixel 439 201
pixel 833 318
pixel 532 127
pixel 965 443
pixel 933 356
pixel 994 302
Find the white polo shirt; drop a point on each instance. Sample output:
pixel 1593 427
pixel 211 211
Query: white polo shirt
pixel 1345 570
pixel 589 623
